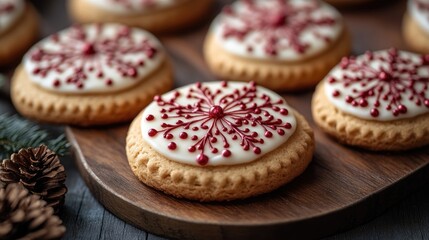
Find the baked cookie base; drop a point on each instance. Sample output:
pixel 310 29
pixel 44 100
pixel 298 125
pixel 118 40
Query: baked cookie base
pixel 396 135
pixel 276 75
pixel 87 109
pixel 414 36
pixel 15 41
pixel 174 18
pixel 220 183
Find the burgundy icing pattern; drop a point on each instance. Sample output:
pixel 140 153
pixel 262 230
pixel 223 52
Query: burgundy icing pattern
pixel 232 114
pixel 423 6
pixel 6 8
pixel 74 50
pixel 388 84
pixel 283 21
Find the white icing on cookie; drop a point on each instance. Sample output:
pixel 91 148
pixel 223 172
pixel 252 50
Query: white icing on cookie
pixel 133 6
pixel 382 86
pixel 419 11
pixel 10 11
pixel 217 123
pixel 286 30
pixel 93 58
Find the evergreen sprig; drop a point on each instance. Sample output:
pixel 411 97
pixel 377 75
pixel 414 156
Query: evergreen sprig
pixel 17 133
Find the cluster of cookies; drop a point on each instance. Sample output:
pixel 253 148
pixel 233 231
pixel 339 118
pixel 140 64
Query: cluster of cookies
pixel 225 140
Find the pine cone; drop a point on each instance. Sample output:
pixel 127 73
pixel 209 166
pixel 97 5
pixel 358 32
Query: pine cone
pixel 26 216
pixel 40 171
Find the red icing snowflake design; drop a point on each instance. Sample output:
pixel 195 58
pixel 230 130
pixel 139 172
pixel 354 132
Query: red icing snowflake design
pixel 6 8
pixel 284 20
pixel 423 6
pixel 223 117
pixel 389 83
pixel 75 49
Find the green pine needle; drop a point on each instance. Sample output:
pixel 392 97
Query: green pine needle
pixel 17 133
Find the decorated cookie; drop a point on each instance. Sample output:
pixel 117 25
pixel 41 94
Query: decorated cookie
pixel 219 141
pixel 378 101
pixel 416 25
pixel 91 75
pixel 18 29
pixel 281 44
pixel 152 15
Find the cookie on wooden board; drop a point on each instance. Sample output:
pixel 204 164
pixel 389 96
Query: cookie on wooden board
pixel 219 141
pixel 91 75
pixel 19 29
pixel 415 27
pixel 377 101
pixel 282 45
pixel 152 15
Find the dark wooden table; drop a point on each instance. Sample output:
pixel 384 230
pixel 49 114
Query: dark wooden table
pixel 85 218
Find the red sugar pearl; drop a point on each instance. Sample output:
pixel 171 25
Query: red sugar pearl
pixel 183 135
pixel 150 117
pixel 152 132
pixel 284 111
pixel 202 159
pixel 172 146
pixel 374 112
pixel 192 149
pixel 226 153
pixel 256 150
pixel 57 83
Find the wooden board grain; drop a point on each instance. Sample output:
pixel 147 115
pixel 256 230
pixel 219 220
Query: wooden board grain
pixel 341 188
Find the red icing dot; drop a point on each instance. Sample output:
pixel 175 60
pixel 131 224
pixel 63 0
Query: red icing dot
pixel 172 146
pixel 109 82
pixel 226 153
pixel 202 159
pixel 256 150
pixel 284 111
pixel 152 132
pixel 268 134
pixel 183 135
pixel 374 112
pixel 336 93
pixel 150 117
pixel 169 136
pixel 57 83
pixel 192 149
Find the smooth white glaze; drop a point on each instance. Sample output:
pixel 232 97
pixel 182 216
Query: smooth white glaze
pixel 99 61
pixel 238 154
pixel 255 38
pixel 375 66
pixel 133 6
pixel 10 11
pixel 418 14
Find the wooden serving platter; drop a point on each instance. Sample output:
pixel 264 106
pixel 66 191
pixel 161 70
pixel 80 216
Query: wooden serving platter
pixel 341 188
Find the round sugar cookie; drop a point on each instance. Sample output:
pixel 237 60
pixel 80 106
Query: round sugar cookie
pixel 219 141
pixel 152 15
pixel 377 101
pixel 415 29
pixel 282 45
pixel 91 75
pixel 19 29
